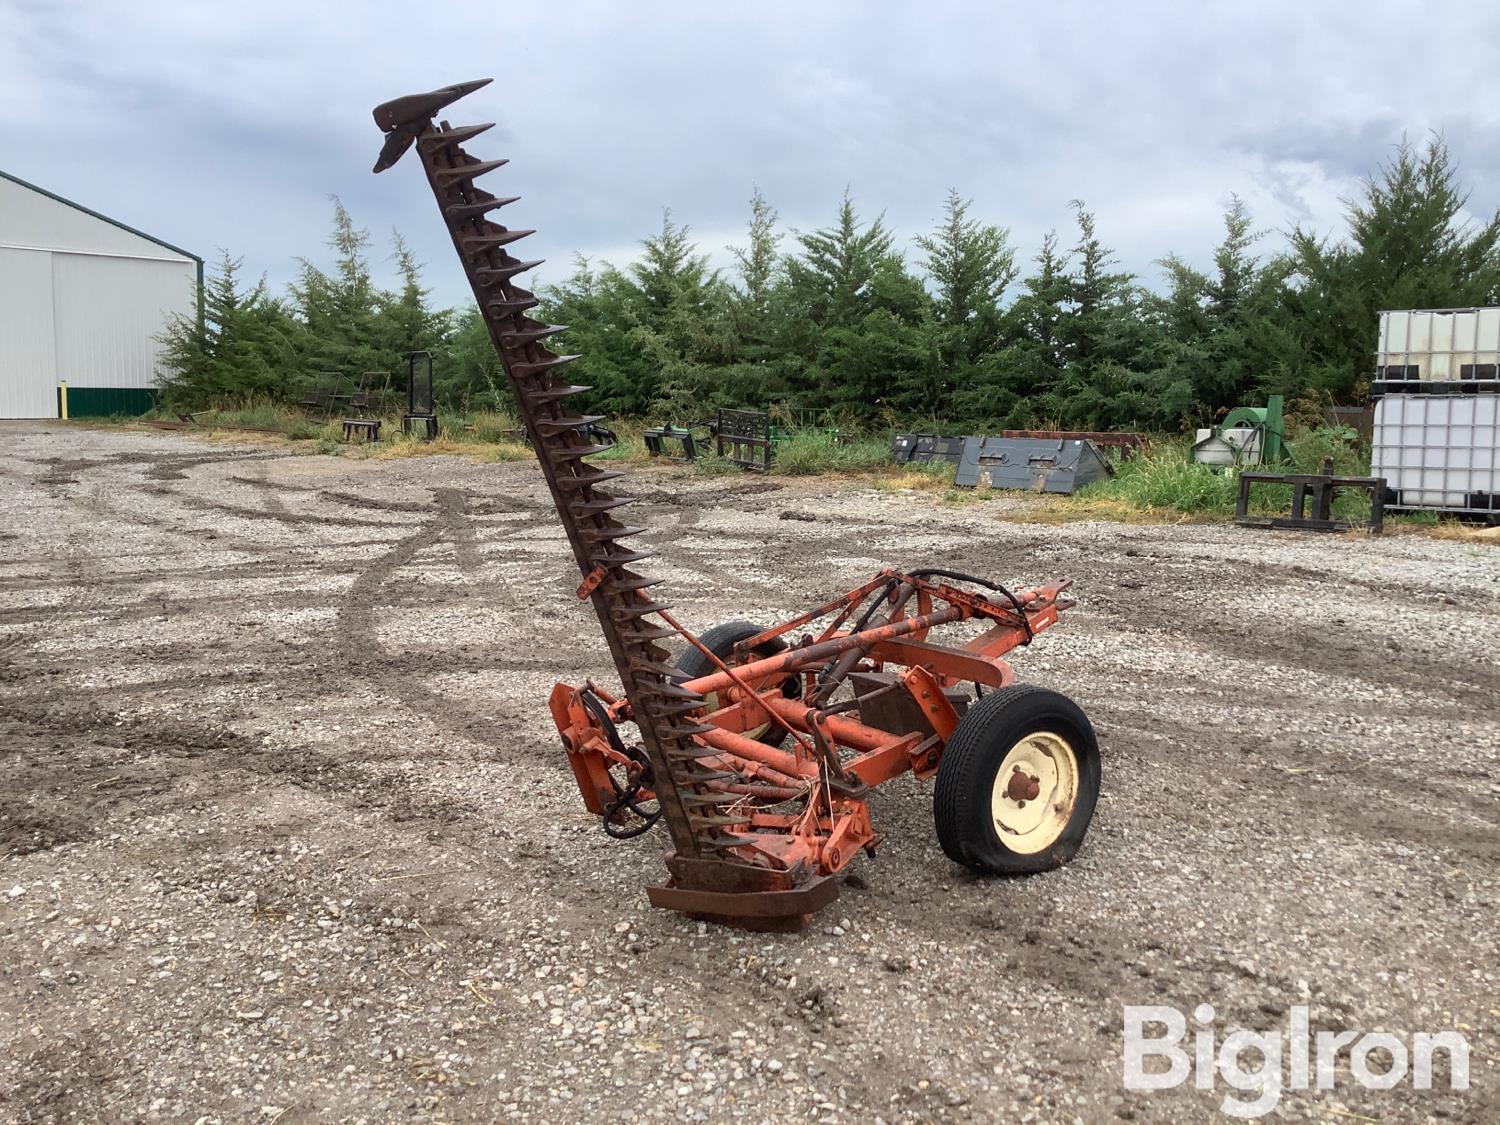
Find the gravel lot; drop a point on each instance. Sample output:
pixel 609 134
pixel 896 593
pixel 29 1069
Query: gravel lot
pixel 287 833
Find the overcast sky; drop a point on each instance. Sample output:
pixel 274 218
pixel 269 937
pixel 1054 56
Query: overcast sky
pixel 229 125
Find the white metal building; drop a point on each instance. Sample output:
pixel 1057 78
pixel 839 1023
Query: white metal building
pixel 82 300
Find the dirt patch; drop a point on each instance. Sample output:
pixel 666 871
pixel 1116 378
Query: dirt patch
pixel 286 830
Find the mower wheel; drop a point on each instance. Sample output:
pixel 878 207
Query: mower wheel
pixel 720 640
pixel 1017 783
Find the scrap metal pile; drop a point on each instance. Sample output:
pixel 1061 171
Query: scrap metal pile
pixel 759 748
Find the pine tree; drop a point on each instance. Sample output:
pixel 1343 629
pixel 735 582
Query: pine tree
pixel 671 276
pixel 1104 338
pixel 759 261
pixel 968 262
pixel 407 321
pixel 1410 246
pixel 338 312
pixel 237 348
pixel 834 276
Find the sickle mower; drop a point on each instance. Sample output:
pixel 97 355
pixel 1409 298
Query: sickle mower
pixel 759 747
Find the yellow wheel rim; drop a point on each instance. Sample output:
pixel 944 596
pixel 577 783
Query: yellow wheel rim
pixel 711 704
pixel 1035 791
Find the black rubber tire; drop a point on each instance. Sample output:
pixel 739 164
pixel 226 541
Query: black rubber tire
pixel 720 640
pixel 966 778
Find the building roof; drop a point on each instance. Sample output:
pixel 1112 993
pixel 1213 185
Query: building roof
pixel 105 218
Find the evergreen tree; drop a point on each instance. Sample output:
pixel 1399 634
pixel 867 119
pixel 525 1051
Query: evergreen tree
pixel 337 312
pixel 842 322
pixel 601 310
pixel 1410 246
pixel 759 261
pixel 834 276
pixel 969 263
pixel 407 321
pixel 237 349
pixel 1014 385
pixel 1103 338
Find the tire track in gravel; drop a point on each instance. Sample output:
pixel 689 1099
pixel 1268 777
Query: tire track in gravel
pixel 269 496
pixel 240 511
pixel 1346 796
pixel 360 650
pixel 84 769
pixel 453 517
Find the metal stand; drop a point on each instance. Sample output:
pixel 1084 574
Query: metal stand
pixel 1321 488
pixel 744 437
pixel 369 427
pixel 659 443
pixel 420 409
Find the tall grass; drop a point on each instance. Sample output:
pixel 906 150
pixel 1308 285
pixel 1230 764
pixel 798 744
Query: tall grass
pixel 1165 479
pixel 804 453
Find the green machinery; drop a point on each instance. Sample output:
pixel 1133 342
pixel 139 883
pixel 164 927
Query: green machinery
pixel 1247 435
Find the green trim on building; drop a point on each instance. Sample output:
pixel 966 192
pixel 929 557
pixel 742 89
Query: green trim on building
pixel 108 402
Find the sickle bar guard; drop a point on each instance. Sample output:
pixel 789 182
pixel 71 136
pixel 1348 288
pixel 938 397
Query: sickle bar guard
pixel 756 831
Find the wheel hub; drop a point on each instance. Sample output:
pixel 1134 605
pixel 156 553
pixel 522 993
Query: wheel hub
pixel 1035 791
pixel 1022 786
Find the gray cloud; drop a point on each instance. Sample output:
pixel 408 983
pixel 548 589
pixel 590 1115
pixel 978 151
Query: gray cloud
pixel 230 125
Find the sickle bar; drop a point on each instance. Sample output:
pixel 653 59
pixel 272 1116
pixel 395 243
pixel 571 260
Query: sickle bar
pixel 707 880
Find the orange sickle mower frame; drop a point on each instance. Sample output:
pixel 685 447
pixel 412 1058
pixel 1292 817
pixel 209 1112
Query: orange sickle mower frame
pixel 802 808
pixel 753 755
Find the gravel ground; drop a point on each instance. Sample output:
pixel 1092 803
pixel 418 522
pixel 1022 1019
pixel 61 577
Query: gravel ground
pixel 287 833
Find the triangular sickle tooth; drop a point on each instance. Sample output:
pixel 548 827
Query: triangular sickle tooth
pixel 463 172
pixel 708 800
pixel 557 392
pixel 672 691
pixel 510 308
pixel 441 138
pixel 706 822
pixel 631 584
pixel 531 334
pixel 419 107
pixel 694 776
pixel 692 750
pixel 478 243
pixel 605 559
pixel 647 633
pixel 613 531
pixel 462 212
pixel 574 453
pixel 651 668
pixel 589 478
pixel 637 611
pixel 537 366
pixel 551 426
pixel 585 508
pixel 496 275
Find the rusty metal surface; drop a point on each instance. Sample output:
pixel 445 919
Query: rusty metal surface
pixel 744 437
pixel 758 773
pixel 699 818
pixel 1316 491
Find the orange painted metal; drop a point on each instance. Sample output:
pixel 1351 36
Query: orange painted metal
pixel 928 693
pixel 833 758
